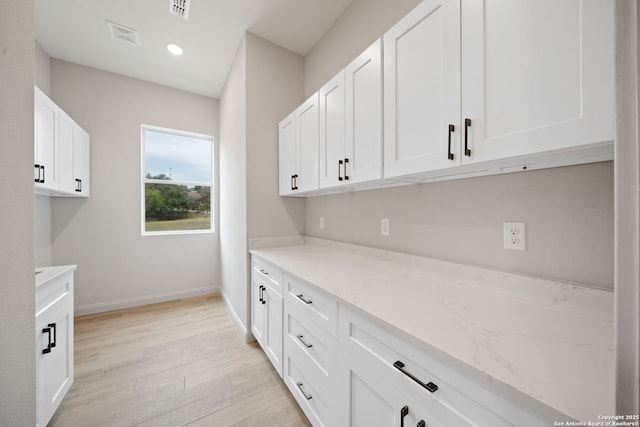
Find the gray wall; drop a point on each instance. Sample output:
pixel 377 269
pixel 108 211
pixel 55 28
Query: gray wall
pixel 264 84
pixel 117 266
pixel 17 288
pixel 568 211
pixel 274 88
pixel 233 191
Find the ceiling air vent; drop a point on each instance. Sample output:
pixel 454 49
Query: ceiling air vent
pixel 123 33
pixel 180 8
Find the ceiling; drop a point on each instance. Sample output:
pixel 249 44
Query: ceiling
pixel 76 31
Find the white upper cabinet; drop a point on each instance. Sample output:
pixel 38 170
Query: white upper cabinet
pixel 298 149
pixel 422 90
pixel 45 142
pixel 62 164
pixel 363 144
pixel 474 82
pixel 307 121
pixel 536 75
pixel 351 122
pixel 332 133
pixel 288 153
pixel 73 157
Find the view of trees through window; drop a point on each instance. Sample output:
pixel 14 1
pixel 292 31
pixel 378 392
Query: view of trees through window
pixel 177 181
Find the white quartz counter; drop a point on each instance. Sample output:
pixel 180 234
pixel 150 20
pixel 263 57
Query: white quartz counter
pixel 549 340
pixel 46 274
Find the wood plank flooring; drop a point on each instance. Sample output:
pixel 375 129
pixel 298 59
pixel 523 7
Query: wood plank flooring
pixel 180 363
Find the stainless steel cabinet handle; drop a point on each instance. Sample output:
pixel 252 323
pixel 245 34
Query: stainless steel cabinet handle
pixel 304 393
pixel 301 339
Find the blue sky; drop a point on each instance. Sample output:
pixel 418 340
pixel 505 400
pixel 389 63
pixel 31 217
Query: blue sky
pixel 184 158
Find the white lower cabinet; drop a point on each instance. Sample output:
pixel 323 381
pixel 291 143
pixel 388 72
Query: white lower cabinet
pixel 311 351
pixel 345 369
pixel 54 345
pixel 266 310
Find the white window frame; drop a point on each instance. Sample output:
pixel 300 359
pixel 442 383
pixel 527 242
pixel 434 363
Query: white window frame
pixel 144 180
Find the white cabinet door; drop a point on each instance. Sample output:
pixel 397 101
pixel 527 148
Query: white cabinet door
pixel 45 142
pixel 307 137
pixel 332 132
pixel 363 144
pixel 288 154
pixel 81 162
pixel 422 90
pixel 73 164
pixel 258 310
pixel 266 319
pixel 66 154
pixel 54 345
pixel 273 331
pixel 536 75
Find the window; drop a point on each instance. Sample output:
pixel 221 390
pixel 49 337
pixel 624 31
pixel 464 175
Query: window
pixel 177 179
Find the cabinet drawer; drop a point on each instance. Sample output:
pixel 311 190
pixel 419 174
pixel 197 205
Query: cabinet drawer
pixel 456 400
pixel 51 292
pixel 311 396
pixel 313 303
pixel 309 342
pixel 267 271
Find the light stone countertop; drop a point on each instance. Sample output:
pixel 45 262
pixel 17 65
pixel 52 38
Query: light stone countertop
pixel 45 274
pixel 550 340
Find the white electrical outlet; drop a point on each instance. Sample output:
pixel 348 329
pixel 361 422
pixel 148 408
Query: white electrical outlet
pixel 321 222
pixel 384 226
pixel 515 236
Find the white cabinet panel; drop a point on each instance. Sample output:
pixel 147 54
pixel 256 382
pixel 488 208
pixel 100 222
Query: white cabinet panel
pixel 536 75
pixel 363 144
pixel 62 152
pixel 332 132
pixel 298 149
pixel 74 157
pixel 46 142
pixel 267 311
pixel 54 345
pixel 422 90
pixel 308 136
pixel 496 86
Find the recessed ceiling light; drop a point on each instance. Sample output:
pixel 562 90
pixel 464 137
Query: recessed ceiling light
pixel 174 49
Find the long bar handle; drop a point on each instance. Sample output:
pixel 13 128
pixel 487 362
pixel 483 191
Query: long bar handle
pixel 429 386
pixel 403 413
pixel 450 156
pixel 304 393
pixel 303 299
pixel 467 125
pixel 301 339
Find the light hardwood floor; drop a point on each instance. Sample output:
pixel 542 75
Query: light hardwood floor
pixel 180 363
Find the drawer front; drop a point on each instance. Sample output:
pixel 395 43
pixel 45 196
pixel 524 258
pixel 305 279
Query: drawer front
pixel 311 396
pixel 53 291
pixel 449 404
pixel 313 304
pixel 269 272
pixel 309 342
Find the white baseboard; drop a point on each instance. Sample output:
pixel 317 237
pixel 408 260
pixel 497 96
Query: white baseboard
pixel 101 307
pixel 246 334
